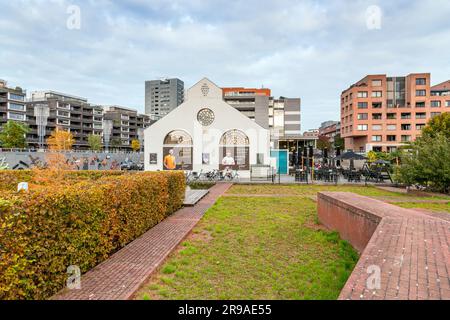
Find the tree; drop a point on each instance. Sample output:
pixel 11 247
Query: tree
pixel 438 124
pixel 115 143
pixel 323 143
pixel 339 142
pixel 13 135
pixel 427 163
pixel 95 142
pixel 60 140
pixel 135 145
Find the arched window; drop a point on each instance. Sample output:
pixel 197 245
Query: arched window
pixel 234 138
pixel 178 137
pixel 177 151
pixel 234 150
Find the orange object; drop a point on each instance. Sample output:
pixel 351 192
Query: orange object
pixel 169 162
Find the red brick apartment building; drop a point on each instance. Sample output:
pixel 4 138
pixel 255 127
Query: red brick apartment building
pixel 381 113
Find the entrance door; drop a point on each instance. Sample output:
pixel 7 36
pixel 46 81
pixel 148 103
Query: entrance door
pixel 282 157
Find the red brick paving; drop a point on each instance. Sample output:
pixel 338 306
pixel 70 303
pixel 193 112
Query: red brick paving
pixel 412 249
pixel 120 276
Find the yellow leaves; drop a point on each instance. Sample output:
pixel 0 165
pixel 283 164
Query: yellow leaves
pixel 135 145
pixel 60 140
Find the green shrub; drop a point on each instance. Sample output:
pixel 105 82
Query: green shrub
pixel 427 163
pixel 43 232
pixel 202 185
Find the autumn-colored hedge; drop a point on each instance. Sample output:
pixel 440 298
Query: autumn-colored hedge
pixel 10 178
pixel 45 231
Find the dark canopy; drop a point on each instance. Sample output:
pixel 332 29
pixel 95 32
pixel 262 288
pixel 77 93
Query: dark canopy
pixel 350 155
pixel 380 161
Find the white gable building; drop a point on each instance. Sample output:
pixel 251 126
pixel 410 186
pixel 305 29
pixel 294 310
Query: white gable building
pixel 205 133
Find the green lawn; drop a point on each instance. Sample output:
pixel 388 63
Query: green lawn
pixel 305 190
pixel 256 248
pixel 440 207
pixel 269 247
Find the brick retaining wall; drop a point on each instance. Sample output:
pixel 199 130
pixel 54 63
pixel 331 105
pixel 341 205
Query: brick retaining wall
pixel 410 249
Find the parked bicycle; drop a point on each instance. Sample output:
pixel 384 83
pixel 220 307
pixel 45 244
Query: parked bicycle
pixel 212 175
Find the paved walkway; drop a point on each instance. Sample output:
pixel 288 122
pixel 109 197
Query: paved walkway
pixel 193 196
pixel 120 276
pixel 410 249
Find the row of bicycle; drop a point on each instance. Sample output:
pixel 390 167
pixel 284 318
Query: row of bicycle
pixel 212 175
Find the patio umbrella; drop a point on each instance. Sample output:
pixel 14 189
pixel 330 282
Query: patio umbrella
pixel 350 155
pixel 379 161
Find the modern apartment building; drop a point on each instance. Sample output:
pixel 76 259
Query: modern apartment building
pixel 285 118
pixel 162 96
pixel 380 112
pixel 330 129
pixel 281 116
pixel 254 103
pixel 12 103
pixel 127 125
pixel 68 112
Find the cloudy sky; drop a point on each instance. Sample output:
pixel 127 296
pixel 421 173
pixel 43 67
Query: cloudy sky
pixel 308 49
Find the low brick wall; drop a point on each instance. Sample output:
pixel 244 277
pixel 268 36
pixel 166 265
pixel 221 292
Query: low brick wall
pixel 354 224
pixel 410 250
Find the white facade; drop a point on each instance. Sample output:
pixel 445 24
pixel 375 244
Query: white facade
pixel 206 139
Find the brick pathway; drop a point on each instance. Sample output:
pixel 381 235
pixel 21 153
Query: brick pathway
pixel 120 276
pixel 411 249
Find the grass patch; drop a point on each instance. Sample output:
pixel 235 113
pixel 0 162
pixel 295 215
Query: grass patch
pixel 201 185
pixel 257 248
pixel 311 190
pixel 433 206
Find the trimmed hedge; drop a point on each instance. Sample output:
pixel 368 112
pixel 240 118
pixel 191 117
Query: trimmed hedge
pixel 10 178
pixel 45 231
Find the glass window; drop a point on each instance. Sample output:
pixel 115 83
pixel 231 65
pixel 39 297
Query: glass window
pixel 177 151
pixel 63 122
pixel 16 116
pixel 447 103
pixel 376 83
pixel 406 115
pixel 377 127
pixel 406 138
pixel 17 97
pixel 420 104
pixel 362 94
pixel 376 116
pixel 421 81
pixel 16 106
pixel 435 104
pixel 421 115
pixel 391 116
pixel 434 114
pixel 421 93
pixel 178 137
pixel 391 137
pixel 377 105
pixel 362 127
pixel 391 127
pixel 420 126
pixel 362 105
pixel 377 94
pixel 362 116
pixel 234 150
pixel 234 137
pixel 376 138
pixel 406 127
